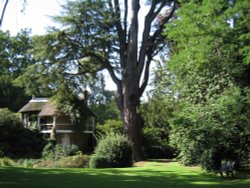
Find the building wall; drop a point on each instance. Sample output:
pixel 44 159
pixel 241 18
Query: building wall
pixel 63 120
pixel 85 144
pixel 65 139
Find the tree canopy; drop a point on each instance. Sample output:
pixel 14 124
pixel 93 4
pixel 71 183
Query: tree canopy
pixel 14 58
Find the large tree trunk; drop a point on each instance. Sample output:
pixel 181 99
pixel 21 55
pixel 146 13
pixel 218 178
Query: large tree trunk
pixel 128 103
pixel 130 87
pixel 131 119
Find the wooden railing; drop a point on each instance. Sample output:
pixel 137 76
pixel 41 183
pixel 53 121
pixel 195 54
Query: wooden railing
pixel 47 127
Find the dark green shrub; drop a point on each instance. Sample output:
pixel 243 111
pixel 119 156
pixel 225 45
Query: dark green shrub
pixel 97 161
pixel 71 150
pixel 110 126
pixel 77 161
pixel 16 141
pixel 48 150
pixel 9 118
pixel 116 149
pixel 53 151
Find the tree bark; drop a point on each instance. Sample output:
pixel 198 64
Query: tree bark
pixel 130 87
pixel 132 121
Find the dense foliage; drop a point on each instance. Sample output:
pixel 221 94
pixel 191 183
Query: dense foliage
pixel 209 58
pixel 218 131
pixel 104 107
pixel 16 141
pixel 9 118
pixel 53 151
pixel 75 161
pixel 110 125
pixel 97 161
pixel 14 58
pixel 156 113
pixel 112 150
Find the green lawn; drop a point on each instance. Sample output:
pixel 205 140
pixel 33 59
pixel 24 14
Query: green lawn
pixel 151 174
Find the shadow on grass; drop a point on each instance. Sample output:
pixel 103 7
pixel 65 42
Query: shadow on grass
pixel 148 176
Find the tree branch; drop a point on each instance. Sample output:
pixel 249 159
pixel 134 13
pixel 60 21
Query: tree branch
pixel 146 76
pixel 102 60
pixel 150 17
pixel 151 43
pixel 3 12
pixel 121 30
pixel 166 19
pixel 105 65
pixel 133 38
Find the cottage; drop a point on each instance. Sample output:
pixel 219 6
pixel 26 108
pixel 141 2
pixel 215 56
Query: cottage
pixel 43 115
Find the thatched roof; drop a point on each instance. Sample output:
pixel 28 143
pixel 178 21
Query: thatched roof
pixel 46 108
pixel 35 105
pixel 49 109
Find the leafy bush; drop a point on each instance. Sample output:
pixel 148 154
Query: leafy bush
pixel 76 161
pixel 6 161
pixel 48 150
pixel 116 149
pixel 53 151
pixel 9 118
pixel 18 142
pixel 97 161
pixel 27 162
pixel 110 126
pixel 45 164
pixel 207 134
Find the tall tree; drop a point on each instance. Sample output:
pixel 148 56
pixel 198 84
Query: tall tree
pixel 210 63
pixel 101 34
pixel 14 58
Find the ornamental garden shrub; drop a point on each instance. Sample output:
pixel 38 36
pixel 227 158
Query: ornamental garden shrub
pixel 58 156
pixel 97 161
pixel 53 151
pixel 76 161
pixel 112 150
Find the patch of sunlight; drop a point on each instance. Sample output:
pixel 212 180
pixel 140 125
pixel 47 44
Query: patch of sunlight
pixel 204 183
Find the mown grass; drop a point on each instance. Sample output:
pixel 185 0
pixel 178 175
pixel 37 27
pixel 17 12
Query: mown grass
pixel 151 174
